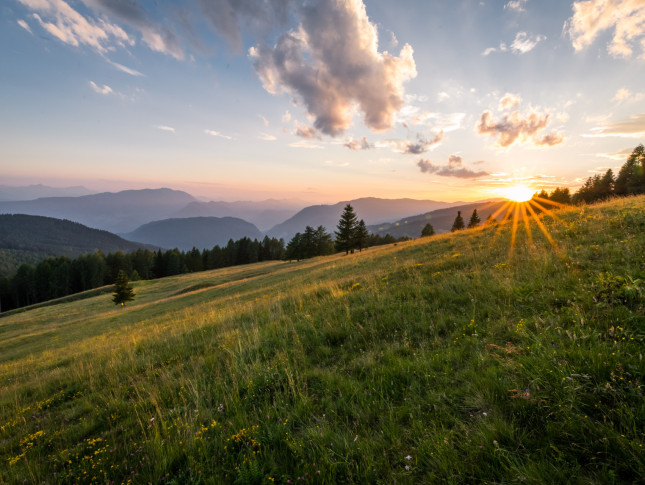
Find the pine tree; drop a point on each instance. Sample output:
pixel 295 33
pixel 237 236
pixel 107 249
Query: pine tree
pixel 474 220
pixel 362 236
pixel 346 230
pixel 458 225
pixel 123 292
pixel 427 230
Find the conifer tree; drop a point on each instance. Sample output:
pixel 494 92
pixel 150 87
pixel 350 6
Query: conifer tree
pixel 362 236
pixel 123 292
pixel 427 230
pixel 458 225
pixel 474 220
pixel 346 230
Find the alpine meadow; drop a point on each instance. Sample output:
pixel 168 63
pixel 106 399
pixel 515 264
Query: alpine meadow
pixel 446 359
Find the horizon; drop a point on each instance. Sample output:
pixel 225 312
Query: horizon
pixel 447 102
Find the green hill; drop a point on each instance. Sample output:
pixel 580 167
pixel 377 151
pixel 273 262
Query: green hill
pixel 30 239
pixel 446 359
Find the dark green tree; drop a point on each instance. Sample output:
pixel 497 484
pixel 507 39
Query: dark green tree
pixel 427 230
pixel 458 225
pixel 123 292
pixel 631 176
pixel 561 195
pixel 474 220
pixel 362 236
pixel 346 230
pixel 295 248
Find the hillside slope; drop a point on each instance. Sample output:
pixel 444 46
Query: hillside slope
pixel 188 232
pixel 30 239
pixel 455 358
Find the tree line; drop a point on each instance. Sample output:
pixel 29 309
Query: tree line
pixel 61 276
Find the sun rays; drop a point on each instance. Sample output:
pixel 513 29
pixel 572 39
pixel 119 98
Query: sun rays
pixel 521 210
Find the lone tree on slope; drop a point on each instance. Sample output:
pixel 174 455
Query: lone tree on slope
pixel 458 225
pixel 427 230
pixel 474 220
pixel 346 233
pixel 123 292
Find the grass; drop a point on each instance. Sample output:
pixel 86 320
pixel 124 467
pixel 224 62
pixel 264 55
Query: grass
pixel 445 359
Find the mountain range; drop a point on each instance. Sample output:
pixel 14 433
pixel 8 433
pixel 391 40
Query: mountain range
pixel 31 192
pixel 188 232
pixel 30 239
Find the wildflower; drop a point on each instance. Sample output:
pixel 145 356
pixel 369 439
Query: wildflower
pixel 408 457
pixel 355 438
pixel 407 468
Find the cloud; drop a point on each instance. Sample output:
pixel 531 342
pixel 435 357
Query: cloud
pixel 266 137
pixel 517 5
pixel 307 132
pixel 620 155
pixel 127 70
pixel 625 17
pixel 515 127
pixel 24 25
pixel 104 90
pixel 329 74
pixel 335 163
pixel 453 168
pixel 633 127
pixel 509 101
pixel 230 17
pixel 502 48
pixel 157 37
pixel 286 117
pixel 264 120
pixel 70 27
pixel 217 134
pixel 422 144
pixel 165 128
pixel 361 144
pixel 626 95
pixel 524 43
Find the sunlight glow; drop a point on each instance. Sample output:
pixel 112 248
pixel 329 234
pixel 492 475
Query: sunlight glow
pixel 518 193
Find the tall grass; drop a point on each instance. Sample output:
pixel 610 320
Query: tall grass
pixel 446 359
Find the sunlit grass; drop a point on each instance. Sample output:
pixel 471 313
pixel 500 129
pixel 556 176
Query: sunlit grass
pixel 478 365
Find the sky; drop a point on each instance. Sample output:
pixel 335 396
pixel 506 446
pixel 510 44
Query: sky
pixel 319 100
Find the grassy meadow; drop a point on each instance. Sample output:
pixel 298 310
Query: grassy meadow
pixel 447 359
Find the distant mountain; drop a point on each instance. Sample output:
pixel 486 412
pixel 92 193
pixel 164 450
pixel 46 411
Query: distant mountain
pixel 30 239
pixel 264 214
pixel 30 192
pixel 189 232
pixel 116 212
pixel 371 209
pixel 441 219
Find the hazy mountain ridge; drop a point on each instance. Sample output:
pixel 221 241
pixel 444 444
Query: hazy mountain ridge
pixel 441 219
pixel 112 211
pixel 29 239
pixel 31 192
pixel 372 210
pixel 187 232
pixel 263 214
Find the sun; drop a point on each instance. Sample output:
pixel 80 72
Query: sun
pixel 518 193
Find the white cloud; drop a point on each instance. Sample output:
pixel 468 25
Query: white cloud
pixel 524 42
pixel 453 168
pixel 515 127
pixel 217 134
pixel 104 90
pixel 286 117
pixel 625 17
pixel 335 163
pixel 266 137
pixel 127 70
pixel 331 74
pixel 264 120
pixel 509 101
pixel 623 95
pixel 633 127
pixel 165 128
pixel 70 27
pixel 361 144
pixel 24 25
pixel 517 5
